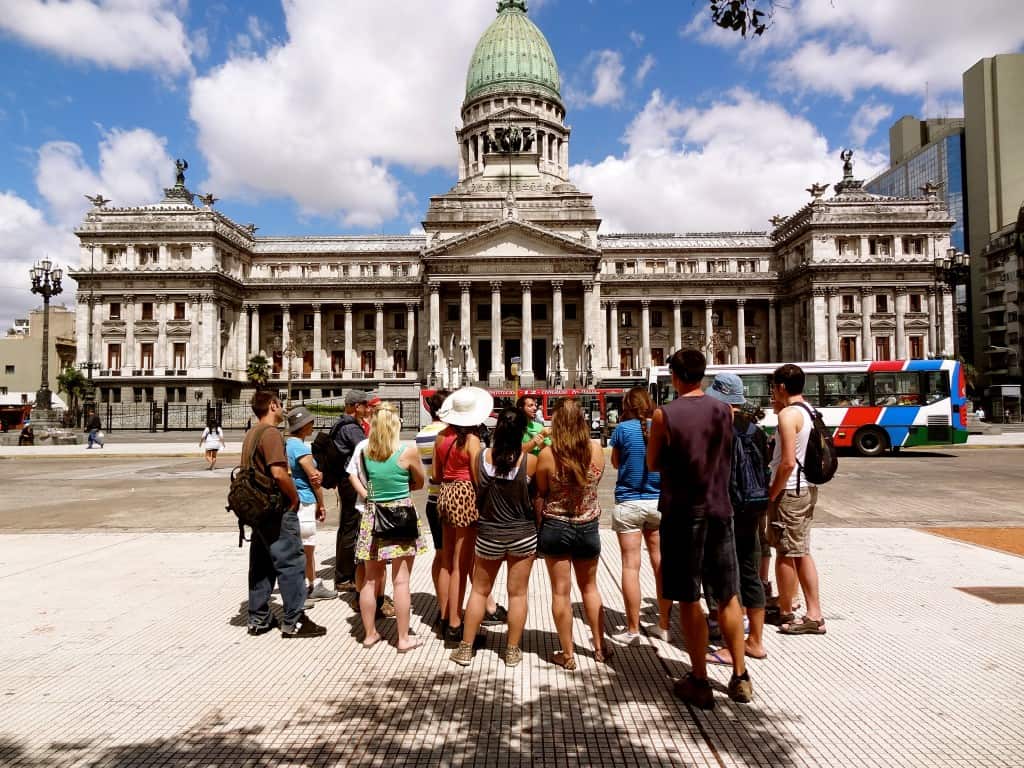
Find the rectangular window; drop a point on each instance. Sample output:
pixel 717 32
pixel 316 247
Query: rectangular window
pixel 452 313
pixel 883 349
pixel 179 310
pixel 180 356
pixel 9 370
pixel 337 362
pixel 570 311
pixel 881 304
pixel 846 301
pixel 278 322
pixel 400 362
pixel 625 319
pixel 114 356
pixel 620 267
pixel 848 349
pixel 115 310
pixel 511 311
pixel 913 246
pixel 369 361
pixel 657 321
pixel 137 392
pixel 147 310
pixel 657 356
pixel 146 355
pixel 896 389
pixel 307 322
pixel 917 347
pixel 369 321
pixel 844 389
pixel 483 312
pixel 915 302
pixel 338 322
pixel 540 311
pixel 398 321
pixel 687 317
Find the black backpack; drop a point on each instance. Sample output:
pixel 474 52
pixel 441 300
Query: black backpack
pixel 820 460
pixel 328 459
pixel 748 478
pixel 253 496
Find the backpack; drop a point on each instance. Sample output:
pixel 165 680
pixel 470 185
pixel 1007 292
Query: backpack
pixel 748 478
pixel 820 460
pixel 253 496
pixel 328 459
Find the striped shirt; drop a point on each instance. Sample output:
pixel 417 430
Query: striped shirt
pixel 425 445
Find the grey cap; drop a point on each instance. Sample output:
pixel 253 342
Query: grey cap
pixel 356 396
pixel 727 387
pixel 298 417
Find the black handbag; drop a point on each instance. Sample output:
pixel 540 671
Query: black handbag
pixel 398 522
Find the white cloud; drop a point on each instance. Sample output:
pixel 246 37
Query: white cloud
pixel 643 70
pixel 121 34
pixel 605 89
pixel 866 119
pixel 690 169
pixel 637 38
pixel 323 118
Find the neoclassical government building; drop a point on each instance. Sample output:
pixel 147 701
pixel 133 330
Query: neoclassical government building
pixel 175 298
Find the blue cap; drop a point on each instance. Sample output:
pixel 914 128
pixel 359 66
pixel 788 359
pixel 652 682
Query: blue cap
pixel 727 387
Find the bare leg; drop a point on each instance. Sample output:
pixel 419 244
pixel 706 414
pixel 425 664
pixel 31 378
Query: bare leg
pixel 401 567
pixel 561 610
pixel 653 539
pixel 755 640
pixel 629 543
pixel 310 564
pixel 518 586
pixel 586 580
pixel 444 579
pixel 439 575
pixel 807 573
pixel 462 561
pixel 372 573
pixel 695 634
pixel 785 576
pixel 730 617
pixel 484 572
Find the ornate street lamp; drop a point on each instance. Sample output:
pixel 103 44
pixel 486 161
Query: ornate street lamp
pixel 464 373
pixel 287 356
pixel 588 346
pixel 432 347
pixel 91 365
pixel 557 360
pixel 954 269
pixel 46 282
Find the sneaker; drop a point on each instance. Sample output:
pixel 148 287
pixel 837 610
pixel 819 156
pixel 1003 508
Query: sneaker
pixel 343 587
pixel 694 691
pixel 387 607
pixel 453 634
pixel 320 592
pixel 626 638
pixel 513 655
pixel 304 627
pixel 741 689
pixel 255 630
pixel 500 616
pixel 463 655
pixel 664 635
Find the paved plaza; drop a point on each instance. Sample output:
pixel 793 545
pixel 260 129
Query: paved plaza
pixel 125 643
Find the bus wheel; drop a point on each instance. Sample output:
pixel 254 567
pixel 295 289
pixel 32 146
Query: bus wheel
pixel 870 441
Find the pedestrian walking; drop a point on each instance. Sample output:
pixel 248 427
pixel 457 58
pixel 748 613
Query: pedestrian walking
pixel 568 511
pixel 212 441
pixel 95 429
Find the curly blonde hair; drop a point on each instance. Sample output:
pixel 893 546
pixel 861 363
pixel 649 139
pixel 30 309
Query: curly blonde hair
pixel 385 430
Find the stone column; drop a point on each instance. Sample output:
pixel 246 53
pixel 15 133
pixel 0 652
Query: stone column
pixel 286 337
pixel 786 345
pixel 349 364
pixel 820 335
pixel 318 342
pixel 410 336
pixel 526 368
pixel 468 359
pixel 948 343
pixel 82 322
pixel 741 331
pixel 380 348
pixel 900 305
pixel 867 347
pixel 677 324
pixel 834 352
pixel 195 339
pixel 211 316
pixel 592 327
pixel 709 327
pixel 613 328
pixel 129 332
pixel 558 356
pixel 497 376
pixel 933 348
pixel 435 313
pixel 645 333
pixel 254 330
pixel 773 341
pixel 160 354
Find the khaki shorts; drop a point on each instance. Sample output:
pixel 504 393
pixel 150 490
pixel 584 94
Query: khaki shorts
pixel 636 516
pixel 789 522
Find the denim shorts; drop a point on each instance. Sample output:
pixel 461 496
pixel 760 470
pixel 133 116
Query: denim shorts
pixel 635 516
pixel 578 541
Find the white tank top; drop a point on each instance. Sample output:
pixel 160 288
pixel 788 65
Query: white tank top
pixel 802 436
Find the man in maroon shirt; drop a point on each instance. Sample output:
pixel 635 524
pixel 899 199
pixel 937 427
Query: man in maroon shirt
pixel 691 445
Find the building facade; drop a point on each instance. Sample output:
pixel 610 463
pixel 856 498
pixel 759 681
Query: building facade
pixel 21 351
pixel 175 298
pixel 1000 311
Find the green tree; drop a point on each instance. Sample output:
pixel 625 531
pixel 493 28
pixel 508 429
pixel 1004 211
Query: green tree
pixel 71 382
pixel 743 16
pixel 258 371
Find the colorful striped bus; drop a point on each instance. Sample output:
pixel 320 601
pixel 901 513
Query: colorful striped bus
pixel 870 406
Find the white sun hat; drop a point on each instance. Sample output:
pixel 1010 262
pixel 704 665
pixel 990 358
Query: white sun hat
pixel 466 407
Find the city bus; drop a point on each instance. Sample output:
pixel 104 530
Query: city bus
pixel 870 406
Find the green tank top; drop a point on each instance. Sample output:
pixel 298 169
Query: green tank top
pixel 388 481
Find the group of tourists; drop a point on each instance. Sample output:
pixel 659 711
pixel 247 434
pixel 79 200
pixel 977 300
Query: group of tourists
pixel 692 485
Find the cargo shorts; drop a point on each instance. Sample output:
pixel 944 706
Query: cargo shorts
pixel 789 522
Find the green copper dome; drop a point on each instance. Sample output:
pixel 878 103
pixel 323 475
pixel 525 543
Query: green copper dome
pixel 513 55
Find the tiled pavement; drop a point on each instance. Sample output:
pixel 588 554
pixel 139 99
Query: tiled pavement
pixel 130 650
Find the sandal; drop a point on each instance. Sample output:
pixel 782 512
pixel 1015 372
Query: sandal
pixel 778 619
pixel 603 655
pixel 714 657
pixel 806 626
pixel 565 662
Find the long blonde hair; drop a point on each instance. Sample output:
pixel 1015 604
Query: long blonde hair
pixel 385 429
pixel 570 442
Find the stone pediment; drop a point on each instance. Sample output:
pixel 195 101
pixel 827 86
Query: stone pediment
pixel 510 239
pixel 510 113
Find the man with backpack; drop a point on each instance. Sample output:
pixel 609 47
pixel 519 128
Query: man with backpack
pixel 346 434
pixel 793 496
pixel 748 492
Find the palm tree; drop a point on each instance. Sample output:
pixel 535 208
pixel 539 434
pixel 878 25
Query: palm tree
pixel 75 385
pixel 258 371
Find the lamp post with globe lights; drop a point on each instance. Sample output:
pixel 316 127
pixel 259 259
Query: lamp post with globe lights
pixel 46 277
pixel 954 269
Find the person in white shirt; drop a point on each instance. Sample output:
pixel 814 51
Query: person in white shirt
pixel 212 440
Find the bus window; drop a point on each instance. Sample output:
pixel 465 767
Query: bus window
pixel 936 386
pixel 844 389
pixel 550 401
pixel 613 408
pixel 501 402
pixel 757 389
pixel 812 387
pixel 896 389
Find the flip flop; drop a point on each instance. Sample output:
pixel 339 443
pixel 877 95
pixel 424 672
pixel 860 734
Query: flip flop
pixel 415 644
pixel 374 644
pixel 712 657
pixel 749 655
pixel 567 663
pixel 806 626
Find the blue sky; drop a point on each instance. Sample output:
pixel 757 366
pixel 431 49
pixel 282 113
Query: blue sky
pixel 314 116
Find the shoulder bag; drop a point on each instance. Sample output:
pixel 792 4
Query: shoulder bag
pixel 391 522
